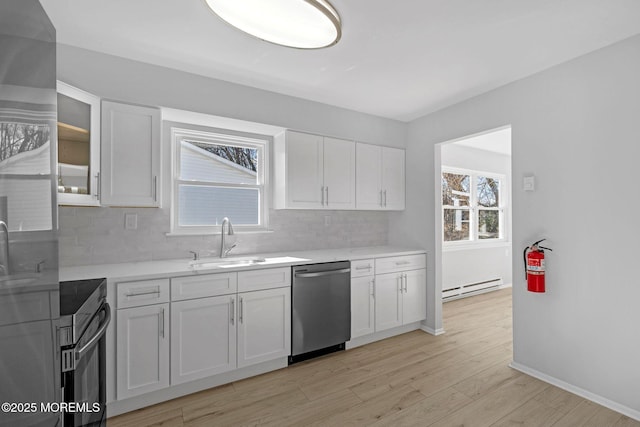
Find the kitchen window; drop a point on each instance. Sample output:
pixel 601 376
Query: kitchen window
pixel 473 206
pixel 218 174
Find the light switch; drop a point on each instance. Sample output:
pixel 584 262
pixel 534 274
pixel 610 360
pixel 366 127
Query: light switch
pixel 529 183
pixel 130 221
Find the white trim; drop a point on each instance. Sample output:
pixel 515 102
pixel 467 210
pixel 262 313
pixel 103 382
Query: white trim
pixel 262 143
pixel 474 209
pixel 434 332
pixel 625 410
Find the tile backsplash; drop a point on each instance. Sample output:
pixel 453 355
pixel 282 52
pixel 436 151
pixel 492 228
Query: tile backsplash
pixel 98 235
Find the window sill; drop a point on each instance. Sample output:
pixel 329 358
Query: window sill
pixel 466 246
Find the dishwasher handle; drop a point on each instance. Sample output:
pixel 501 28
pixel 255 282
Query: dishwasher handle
pixel 323 273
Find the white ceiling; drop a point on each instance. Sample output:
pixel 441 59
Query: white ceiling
pixel 398 60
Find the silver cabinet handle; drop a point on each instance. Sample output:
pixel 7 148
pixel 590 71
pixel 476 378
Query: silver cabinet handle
pixel 155 188
pixel 241 310
pixel 372 288
pixel 403 262
pixel 381 199
pixel 364 267
pixel 385 198
pixel 404 278
pixel 97 194
pixel 161 319
pixel 400 280
pixel 143 293
pixel 326 190
pixel 233 311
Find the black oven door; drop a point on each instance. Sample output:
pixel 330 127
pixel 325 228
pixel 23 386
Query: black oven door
pixel 84 387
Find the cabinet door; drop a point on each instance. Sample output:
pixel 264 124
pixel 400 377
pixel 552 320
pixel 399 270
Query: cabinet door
pixel 264 325
pixel 203 338
pixel 339 174
pixel 78 147
pixel 388 301
pixel 362 306
pixel 414 305
pixel 368 177
pixel 142 350
pixel 393 178
pixel 130 155
pixel 304 184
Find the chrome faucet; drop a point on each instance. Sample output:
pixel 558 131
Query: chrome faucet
pixel 223 250
pixel 4 251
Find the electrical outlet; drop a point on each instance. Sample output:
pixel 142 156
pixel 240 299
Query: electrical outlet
pixel 130 221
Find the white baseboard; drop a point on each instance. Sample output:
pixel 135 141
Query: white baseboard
pixel 431 331
pixel 629 412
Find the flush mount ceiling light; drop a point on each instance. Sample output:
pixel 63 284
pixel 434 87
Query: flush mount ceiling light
pixel 303 24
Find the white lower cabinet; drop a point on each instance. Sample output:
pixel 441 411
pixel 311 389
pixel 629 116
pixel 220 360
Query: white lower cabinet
pixel 362 298
pixel 401 298
pixel 173 331
pixel 203 338
pixel 142 353
pixel 264 326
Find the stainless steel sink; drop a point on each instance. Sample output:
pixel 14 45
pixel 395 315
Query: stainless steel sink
pixel 245 261
pixel 226 262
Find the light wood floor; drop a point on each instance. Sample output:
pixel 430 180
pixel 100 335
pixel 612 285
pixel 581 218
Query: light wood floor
pixel 460 378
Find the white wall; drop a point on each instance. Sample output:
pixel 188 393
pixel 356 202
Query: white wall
pixel 576 128
pixel 97 235
pixel 465 265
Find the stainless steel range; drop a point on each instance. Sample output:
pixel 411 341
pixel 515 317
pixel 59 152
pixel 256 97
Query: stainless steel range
pixel 84 317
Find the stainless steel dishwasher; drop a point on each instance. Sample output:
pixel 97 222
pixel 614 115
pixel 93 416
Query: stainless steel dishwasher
pixel 320 309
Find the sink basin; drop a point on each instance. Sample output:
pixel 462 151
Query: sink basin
pixel 226 262
pixel 18 279
pixel 241 262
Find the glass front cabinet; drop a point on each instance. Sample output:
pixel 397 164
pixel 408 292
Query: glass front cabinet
pixel 78 147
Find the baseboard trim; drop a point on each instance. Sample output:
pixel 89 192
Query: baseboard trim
pixel 431 331
pixel 624 410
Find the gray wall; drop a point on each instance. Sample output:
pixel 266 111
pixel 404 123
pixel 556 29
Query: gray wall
pixel 98 236
pixel 575 127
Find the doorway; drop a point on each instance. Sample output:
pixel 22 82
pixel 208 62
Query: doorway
pixel 473 214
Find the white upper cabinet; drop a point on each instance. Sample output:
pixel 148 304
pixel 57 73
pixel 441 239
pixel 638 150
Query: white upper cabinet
pixel 130 155
pixel 380 177
pixel 78 147
pixel 314 172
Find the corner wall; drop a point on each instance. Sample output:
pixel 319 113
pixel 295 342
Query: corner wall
pixel 575 127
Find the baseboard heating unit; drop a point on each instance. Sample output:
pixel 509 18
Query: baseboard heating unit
pixel 471 289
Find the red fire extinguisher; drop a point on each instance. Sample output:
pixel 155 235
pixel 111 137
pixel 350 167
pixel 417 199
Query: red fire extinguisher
pixel 534 266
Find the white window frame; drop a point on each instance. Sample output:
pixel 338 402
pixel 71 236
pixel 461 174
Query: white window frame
pixel 474 209
pixel 220 137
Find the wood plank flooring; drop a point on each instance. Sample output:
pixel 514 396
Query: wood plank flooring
pixel 460 378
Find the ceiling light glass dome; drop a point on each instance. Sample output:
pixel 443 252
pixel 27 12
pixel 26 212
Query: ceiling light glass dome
pixel 302 24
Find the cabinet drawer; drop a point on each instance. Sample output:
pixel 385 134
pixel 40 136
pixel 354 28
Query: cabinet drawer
pixel 256 280
pixel 207 285
pixel 362 267
pixel 400 263
pixel 142 292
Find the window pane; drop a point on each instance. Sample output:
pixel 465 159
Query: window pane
pixel 488 224
pixel 456 224
pixel 218 163
pixel 488 192
pixel 202 205
pixel 455 189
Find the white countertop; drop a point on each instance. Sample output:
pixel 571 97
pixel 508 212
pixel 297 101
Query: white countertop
pixel 182 267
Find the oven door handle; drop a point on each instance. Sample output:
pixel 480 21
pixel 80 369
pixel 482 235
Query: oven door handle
pixel 99 333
